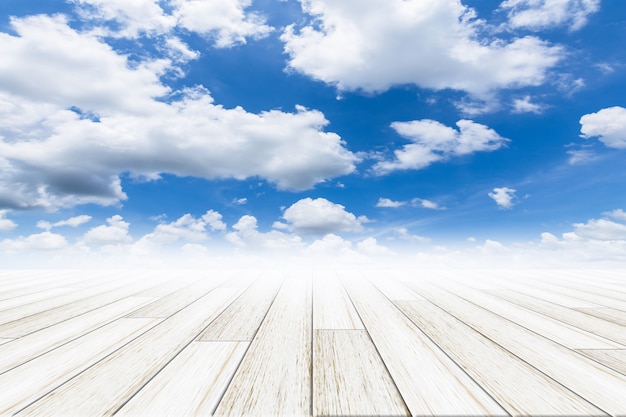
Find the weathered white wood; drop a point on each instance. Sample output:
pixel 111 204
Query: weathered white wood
pixel 391 287
pixel 20 386
pixel 613 358
pixel 5 340
pixel 598 384
pixel 241 320
pixel 274 378
pixel 518 387
pixel 349 377
pixel 429 381
pixel 587 295
pixel 191 384
pixel 33 297
pixel 176 301
pixel 129 368
pixel 34 344
pixel 565 334
pixel 604 328
pixel 32 317
pixel 332 308
pixel 606 313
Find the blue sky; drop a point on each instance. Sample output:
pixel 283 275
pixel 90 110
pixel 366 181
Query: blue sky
pixel 379 127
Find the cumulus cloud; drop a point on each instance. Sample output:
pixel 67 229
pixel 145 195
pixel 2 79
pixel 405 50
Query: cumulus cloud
pixel 115 233
pixel 72 222
pixel 601 229
pixel 330 244
pixel 608 125
pixel 423 203
pixel 385 202
pixel 503 197
pixel 437 44
pixel 214 220
pixel 246 234
pixel 78 115
pixel 525 105
pixel 404 234
pixel 6 225
pixel 46 241
pixel 371 247
pixel 320 216
pixel 432 142
pixel 543 14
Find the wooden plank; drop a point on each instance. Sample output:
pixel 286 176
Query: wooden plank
pixel 131 367
pixel 606 313
pixel 606 329
pixel 34 344
pixel 613 358
pixel 565 334
pixel 349 377
pixel 428 380
pixel 274 377
pixel 598 384
pixel 392 288
pixel 589 296
pixel 332 308
pixel 5 340
pixel 518 387
pixel 24 384
pixel 33 297
pixel 241 320
pixel 191 384
pixel 32 317
pixel 176 301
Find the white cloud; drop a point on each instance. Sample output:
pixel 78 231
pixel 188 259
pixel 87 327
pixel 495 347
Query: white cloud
pixel 423 203
pixel 240 201
pixel 601 229
pixel 433 142
pixel 543 14
pixel 617 214
pixel 115 233
pixel 435 44
pixel 72 222
pixel 246 234
pixel 320 216
pixel 39 241
pixel 404 234
pixel 214 220
pixel 6 225
pixel 609 125
pixel 525 105
pixel 116 124
pixel 371 247
pixel 331 244
pixel 503 197
pixel 580 156
pixel 385 202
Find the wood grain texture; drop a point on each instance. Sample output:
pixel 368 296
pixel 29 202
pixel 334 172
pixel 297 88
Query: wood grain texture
pixel 132 366
pixel 598 384
pixel 413 360
pixel 349 377
pixel 28 347
pixel 606 313
pixel 614 358
pixel 196 379
pixel 274 378
pixel 518 387
pixel 242 319
pixel 332 308
pixel 24 384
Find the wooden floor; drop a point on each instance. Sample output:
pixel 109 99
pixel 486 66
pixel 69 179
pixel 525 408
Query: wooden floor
pixel 343 342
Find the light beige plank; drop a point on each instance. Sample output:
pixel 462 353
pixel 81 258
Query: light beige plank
pixel 33 297
pixel 606 329
pixel 274 377
pixel 565 334
pixel 606 313
pixel 391 287
pixel 332 308
pixel 34 344
pixel 20 386
pixel 192 384
pixel 241 320
pixel 4 340
pixel 614 358
pixel 349 377
pixel 429 381
pixel 588 296
pixel 129 368
pixel 598 384
pixel 176 301
pixel 30 318
pixel 521 389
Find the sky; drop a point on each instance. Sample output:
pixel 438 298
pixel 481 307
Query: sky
pixel 433 131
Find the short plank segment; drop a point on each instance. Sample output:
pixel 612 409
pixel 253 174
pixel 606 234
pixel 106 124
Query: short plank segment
pixel 521 389
pixel 430 382
pixel 332 308
pixel 596 383
pixel 274 378
pixel 613 358
pixel 606 313
pixel 34 344
pixel 350 379
pixel 190 385
pixel 241 320
pixel 586 322
pixel 20 386
pixel 130 368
